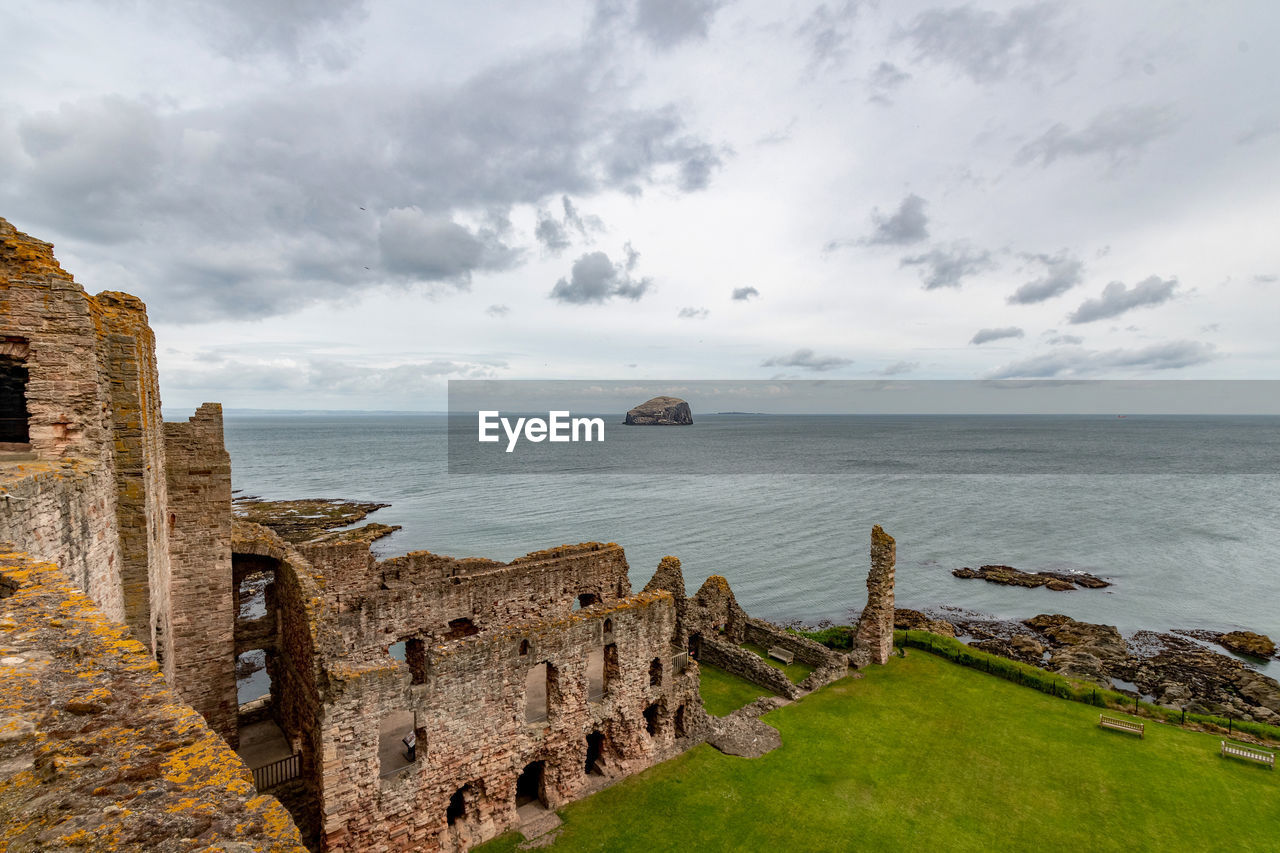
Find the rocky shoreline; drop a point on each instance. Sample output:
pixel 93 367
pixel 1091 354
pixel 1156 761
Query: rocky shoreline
pixel 1009 576
pixel 1174 669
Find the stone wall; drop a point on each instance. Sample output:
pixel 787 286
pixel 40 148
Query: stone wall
pixel 471 729
pixel 875 628
pixel 95 751
pixel 421 593
pixel 201 595
pixel 731 657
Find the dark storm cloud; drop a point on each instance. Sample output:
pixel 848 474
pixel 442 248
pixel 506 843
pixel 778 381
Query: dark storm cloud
pixel 827 32
pixel 667 23
pixel 949 266
pixel 807 359
pixel 1076 362
pixel 1116 299
pixel 1117 134
pixel 906 226
pixel 694 313
pixel 1062 272
pixel 303 204
pixel 986 45
pixel 425 247
pixel 987 335
pixel 596 279
pixel 742 294
pixel 296 31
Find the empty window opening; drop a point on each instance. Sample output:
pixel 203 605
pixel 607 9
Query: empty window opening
pixel 463 804
pixel 415 654
pixel 397 742
pixel 608 626
pixel 255 591
pixel 531 785
pixel 679 722
pixel 524 648
pixel 396 650
pixel 587 599
pixel 655 672
pixel 535 694
pixel 595 675
pixel 459 628
pixel 595 748
pixel 612 669
pixel 651 720
pixel 253 676
pixel 14 417
pixel 695 645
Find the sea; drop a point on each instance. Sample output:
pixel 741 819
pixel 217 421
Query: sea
pixel 1180 513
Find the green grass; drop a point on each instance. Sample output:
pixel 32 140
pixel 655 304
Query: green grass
pixel 922 754
pixel 724 692
pixel 796 672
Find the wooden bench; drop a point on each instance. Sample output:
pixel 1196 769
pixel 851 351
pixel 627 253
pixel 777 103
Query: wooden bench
pixel 779 653
pixel 1250 753
pixel 1120 725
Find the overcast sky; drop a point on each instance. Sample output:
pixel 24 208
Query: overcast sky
pixel 343 204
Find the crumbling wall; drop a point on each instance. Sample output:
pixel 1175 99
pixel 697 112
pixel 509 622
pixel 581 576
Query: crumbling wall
pixel 97 753
pixel 669 576
pixel 714 610
pixel 201 594
pixel 471 728
pixel 875 628
pixel 128 353
pixel 733 658
pixel 423 592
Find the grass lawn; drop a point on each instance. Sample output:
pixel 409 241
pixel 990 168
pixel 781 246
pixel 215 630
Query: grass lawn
pixel 724 692
pixel 796 672
pixel 926 755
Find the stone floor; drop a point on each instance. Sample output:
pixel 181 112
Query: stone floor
pixel 261 744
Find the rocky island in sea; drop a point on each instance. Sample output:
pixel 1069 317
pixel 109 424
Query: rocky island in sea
pixel 660 411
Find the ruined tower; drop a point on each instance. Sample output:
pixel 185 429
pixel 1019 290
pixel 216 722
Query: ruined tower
pixel 875 629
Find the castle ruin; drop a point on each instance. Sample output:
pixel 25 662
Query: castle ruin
pixel 425 702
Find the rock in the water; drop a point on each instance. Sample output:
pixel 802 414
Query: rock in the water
pixel 1248 643
pixel 660 411
pixel 1009 576
pixel 905 619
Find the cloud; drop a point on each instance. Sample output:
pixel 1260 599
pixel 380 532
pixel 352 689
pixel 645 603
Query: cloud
pixel 264 202
pixel 898 368
pixel 906 226
pixel 743 294
pixel 1061 340
pixel 1076 362
pixel 425 247
pixel 986 45
pixel 886 79
pixel 668 23
pixel 827 31
pixel 1263 127
pixel 550 233
pixel 987 335
pixel 694 313
pixel 1117 134
pixel 313 31
pixel 497 310
pixel 1266 278
pixel 596 279
pixel 555 235
pixel 320 375
pixel 806 359
pixel 948 266
pixel 1116 299
pixel 1062 272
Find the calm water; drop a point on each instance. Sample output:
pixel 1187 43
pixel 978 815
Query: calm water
pixel 788 517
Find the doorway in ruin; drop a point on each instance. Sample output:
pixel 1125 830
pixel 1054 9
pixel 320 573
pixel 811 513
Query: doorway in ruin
pixel 695 646
pixel 678 722
pixel 531 785
pixel 464 804
pixel 595 749
pixel 655 672
pixel 397 742
pixel 253 676
pixel 595 675
pixel 652 718
pixel 14 416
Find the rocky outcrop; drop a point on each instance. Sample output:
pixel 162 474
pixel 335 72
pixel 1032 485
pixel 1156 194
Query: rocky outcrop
pixel 875 628
pixel 660 411
pixel 308 519
pixel 1021 647
pixel 1009 576
pixel 1248 643
pixel 913 620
